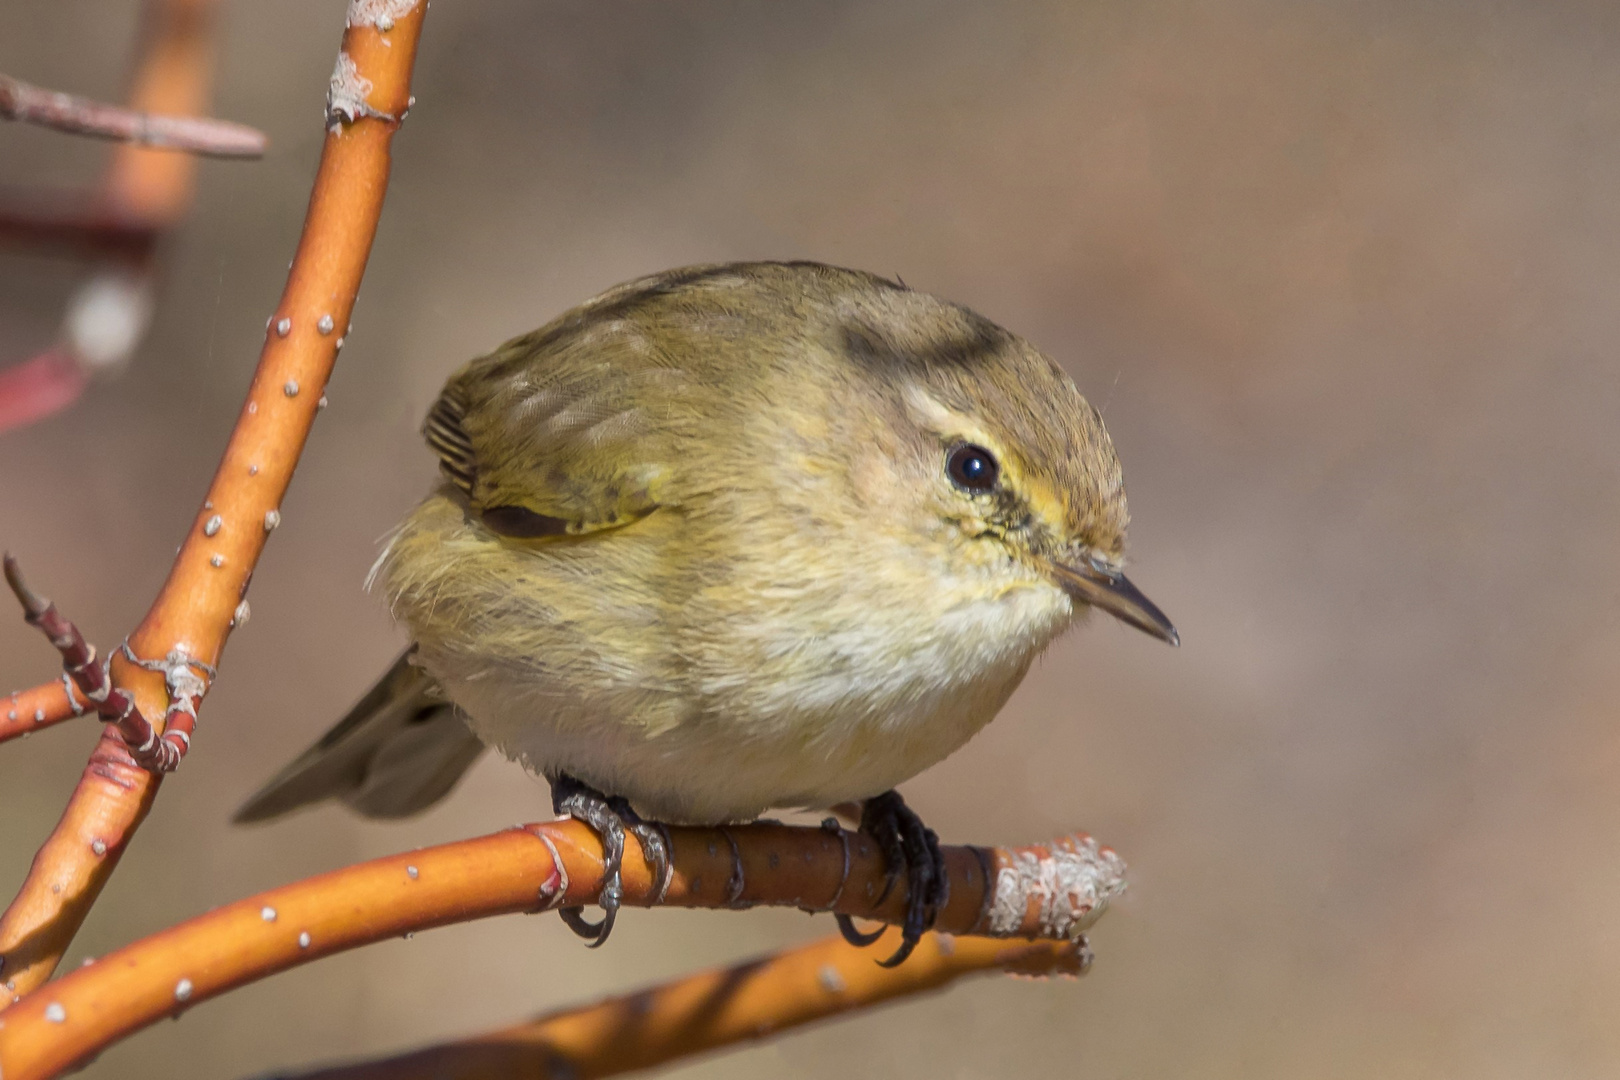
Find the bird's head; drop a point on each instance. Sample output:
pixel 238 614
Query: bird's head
pixel 1011 469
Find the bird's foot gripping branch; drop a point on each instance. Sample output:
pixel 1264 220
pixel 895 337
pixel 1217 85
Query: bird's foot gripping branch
pixel 1049 892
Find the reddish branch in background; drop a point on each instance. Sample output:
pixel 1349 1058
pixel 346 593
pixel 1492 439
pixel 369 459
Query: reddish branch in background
pixel 204 596
pixel 81 116
pixel 34 389
pixel 145 193
pixel 1050 891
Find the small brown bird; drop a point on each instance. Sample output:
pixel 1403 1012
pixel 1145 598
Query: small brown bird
pixel 731 538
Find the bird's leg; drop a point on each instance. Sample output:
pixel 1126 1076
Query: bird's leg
pixel 611 817
pixel 910 846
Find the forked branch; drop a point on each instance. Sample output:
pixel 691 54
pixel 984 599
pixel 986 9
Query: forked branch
pixel 184 677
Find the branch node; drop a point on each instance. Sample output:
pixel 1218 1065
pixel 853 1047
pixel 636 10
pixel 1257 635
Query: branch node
pixel 73 698
pixel 669 863
pixel 346 96
pixel 736 882
pixel 556 886
pixel 186 689
pixel 830 825
pixel 176 667
pixel 382 14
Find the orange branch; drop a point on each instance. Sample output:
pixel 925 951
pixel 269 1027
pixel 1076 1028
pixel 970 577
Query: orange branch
pixel 173 77
pixel 25 711
pixel 1052 891
pixel 197 607
pixel 756 999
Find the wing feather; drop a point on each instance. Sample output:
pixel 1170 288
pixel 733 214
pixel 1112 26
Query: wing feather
pixel 553 433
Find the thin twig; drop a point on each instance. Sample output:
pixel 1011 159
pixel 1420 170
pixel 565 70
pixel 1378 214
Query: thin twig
pixel 1051 891
pixel 81 116
pixel 112 704
pixel 756 999
pixel 197 607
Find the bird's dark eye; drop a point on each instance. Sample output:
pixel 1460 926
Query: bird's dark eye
pixel 972 468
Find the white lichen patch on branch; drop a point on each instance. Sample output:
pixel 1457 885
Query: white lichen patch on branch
pixel 346 96
pixel 1065 887
pixel 382 14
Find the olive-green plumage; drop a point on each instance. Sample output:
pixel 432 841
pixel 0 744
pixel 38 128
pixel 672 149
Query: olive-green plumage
pixel 714 540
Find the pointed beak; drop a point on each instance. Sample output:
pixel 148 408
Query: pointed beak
pixel 1101 586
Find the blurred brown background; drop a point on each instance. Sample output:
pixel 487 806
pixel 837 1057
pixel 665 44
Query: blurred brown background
pixel 1344 277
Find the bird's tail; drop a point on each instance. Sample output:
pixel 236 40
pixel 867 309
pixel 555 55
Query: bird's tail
pixel 400 750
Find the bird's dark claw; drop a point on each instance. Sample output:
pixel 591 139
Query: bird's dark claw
pixel 910 847
pixel 610 817
pixel 846 926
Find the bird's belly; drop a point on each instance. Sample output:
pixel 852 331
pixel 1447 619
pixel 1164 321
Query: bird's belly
pixel 679 763
pixel 783 681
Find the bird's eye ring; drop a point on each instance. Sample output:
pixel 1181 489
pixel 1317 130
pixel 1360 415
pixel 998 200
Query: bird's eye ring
pixel 972 468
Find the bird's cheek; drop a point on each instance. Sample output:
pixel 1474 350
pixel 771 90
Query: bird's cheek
pixel 874 481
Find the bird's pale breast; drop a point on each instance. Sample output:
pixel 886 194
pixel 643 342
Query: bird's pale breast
pixel 714 703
